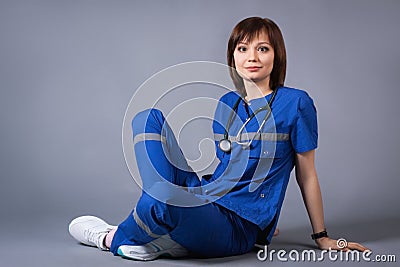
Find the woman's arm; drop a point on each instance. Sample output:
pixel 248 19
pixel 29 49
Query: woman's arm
pixel 307 179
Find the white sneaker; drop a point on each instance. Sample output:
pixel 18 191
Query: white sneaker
pixel 163 246
pixel 90 231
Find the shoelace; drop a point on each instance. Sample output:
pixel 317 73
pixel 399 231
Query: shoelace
pixel 94 236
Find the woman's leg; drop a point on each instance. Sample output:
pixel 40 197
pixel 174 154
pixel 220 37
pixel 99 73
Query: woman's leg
pixel 161 164
pixel 109 238
pixel 158 155
pixel 208 231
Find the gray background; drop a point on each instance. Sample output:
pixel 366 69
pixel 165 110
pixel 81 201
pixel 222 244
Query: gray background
pixel 69 68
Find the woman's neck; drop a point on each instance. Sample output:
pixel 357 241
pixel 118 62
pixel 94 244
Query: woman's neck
pixel 256 90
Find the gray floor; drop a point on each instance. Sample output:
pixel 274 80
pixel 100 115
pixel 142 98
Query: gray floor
pixel 47 243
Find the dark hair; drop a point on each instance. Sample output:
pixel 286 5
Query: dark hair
pixel 248 29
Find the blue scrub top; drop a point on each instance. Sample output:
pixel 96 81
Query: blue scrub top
pixel 260 174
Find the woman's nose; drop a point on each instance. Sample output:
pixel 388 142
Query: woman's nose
pixel 253 55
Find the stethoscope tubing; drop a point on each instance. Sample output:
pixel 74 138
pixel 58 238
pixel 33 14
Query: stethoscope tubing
pixel 246 144
pixel 225 144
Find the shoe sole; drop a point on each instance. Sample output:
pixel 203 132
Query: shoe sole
pixel 129 253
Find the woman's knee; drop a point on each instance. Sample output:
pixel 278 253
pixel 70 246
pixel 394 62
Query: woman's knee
pixel 148 205
pixel 148 121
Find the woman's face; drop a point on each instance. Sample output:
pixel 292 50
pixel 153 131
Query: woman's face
pixel 254 59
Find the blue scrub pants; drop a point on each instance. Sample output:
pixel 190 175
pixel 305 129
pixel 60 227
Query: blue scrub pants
pixel 208 230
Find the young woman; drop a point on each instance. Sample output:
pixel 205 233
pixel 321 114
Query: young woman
pixel 257 150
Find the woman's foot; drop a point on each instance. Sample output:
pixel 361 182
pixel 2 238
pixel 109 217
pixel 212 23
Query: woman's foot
pixel 91 231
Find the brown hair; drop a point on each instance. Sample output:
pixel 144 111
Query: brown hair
pixel 246 30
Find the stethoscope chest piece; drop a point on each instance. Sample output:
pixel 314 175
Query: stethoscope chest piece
pixel 225 145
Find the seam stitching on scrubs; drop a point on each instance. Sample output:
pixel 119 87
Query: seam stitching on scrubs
pixel 144 226
pixel 250 135
pixel 148 137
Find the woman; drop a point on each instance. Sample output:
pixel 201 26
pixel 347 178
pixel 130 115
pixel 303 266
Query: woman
pixel 260 155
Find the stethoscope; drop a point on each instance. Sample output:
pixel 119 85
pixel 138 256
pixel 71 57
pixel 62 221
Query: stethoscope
pixel 225 144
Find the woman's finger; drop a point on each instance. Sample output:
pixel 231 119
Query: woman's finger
pixel 357 246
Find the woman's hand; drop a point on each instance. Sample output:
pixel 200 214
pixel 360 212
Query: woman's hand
pixel 340 244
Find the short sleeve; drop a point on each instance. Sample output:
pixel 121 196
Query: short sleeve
pixel 304 134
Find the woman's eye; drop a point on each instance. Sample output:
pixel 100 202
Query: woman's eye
pixel 241 49
pixel 263 49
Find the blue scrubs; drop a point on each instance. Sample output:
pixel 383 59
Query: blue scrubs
pixel 235 219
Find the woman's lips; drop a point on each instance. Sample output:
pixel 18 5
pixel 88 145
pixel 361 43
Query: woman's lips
pixel 252 68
